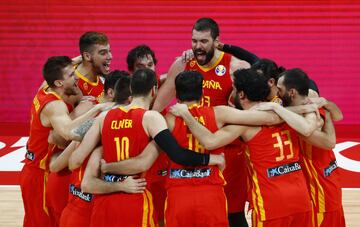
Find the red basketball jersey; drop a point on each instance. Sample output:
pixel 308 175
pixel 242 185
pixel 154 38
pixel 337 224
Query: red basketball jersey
pixel 179 175
pixel 217 82
pixel 323 177
pixel 278 186
pixel 123 135
pixel 89 88
pixel 37 145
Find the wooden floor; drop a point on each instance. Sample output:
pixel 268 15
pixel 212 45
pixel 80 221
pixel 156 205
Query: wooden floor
pixel 12 212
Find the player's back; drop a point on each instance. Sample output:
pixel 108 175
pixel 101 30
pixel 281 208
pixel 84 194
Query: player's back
pixel 278 186
pixel 180 175
pixel 123 137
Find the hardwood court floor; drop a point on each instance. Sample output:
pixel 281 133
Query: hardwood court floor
pixel 12 212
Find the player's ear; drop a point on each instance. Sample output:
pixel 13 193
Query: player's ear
pixel 241 95
pixel 58 83
pixel 216 41
pixel 154 91
pixel 271 82
pixel 86 56
pixel 110 93
pixel 292 92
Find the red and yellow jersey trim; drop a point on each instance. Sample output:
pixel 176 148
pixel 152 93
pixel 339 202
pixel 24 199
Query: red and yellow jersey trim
pixel 256 196
pixel 131 108
pixel 316 190
pixel 206 69
pixel 148 210
pixel 84 78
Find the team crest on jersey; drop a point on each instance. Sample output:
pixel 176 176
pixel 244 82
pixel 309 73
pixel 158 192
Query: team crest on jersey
pixel 192 63
pixel 86 86
pixel 220 70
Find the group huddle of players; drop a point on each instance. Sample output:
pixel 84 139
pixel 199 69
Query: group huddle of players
pixel 106 148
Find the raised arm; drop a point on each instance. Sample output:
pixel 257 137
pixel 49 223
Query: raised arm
pixel 167 90
pixel 91 182
pixel 324 138
pixel 238 52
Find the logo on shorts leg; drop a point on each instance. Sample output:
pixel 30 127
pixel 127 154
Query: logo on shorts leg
pixel 220 70
pixel 332 166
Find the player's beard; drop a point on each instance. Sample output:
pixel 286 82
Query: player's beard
pixel 286 100
pixel 70 91
pixel 208 56
pixel 99 68
pixel 237 103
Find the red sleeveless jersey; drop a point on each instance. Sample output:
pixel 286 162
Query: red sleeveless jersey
pixel 123 135
pixel 37 145
pixel 278 186
pixel 217 82
pixel 179 175
pixel 323 177
pixel 88 88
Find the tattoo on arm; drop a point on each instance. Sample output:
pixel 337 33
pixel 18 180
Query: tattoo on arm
pixel 83 128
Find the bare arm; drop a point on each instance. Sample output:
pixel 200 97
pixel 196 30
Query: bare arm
pixel 88 144
pixel 208 139
pixel 305 126
pixel 325 138
pixel 155 125
pixel 60 161
pixel 302 109
pixel 236 64
pixel 135 165
pixel 91 182
pixel 167 90
pixel 57 114
pixel 229 115
pixel 335 112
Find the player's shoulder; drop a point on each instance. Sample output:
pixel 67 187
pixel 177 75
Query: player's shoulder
pixel 236 63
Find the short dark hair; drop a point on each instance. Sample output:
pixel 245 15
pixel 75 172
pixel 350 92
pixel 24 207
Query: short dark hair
pixel 189 86
pixel 88 39
pixel 53 69
pixel 297 79
pixel 139 52
pixel 142 81
pixel 113 77
pixel 122 89
pixel 253 85
pixel 207 24
pixel 268 68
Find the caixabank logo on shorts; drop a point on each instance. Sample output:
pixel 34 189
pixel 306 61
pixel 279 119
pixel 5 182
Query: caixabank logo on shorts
pixel 283 169
pixel 190 173
pixel 332 166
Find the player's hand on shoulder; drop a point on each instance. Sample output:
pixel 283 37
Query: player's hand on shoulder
pixel 187 55
pixel 179 109
pixel 104 106
pixel 264 106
